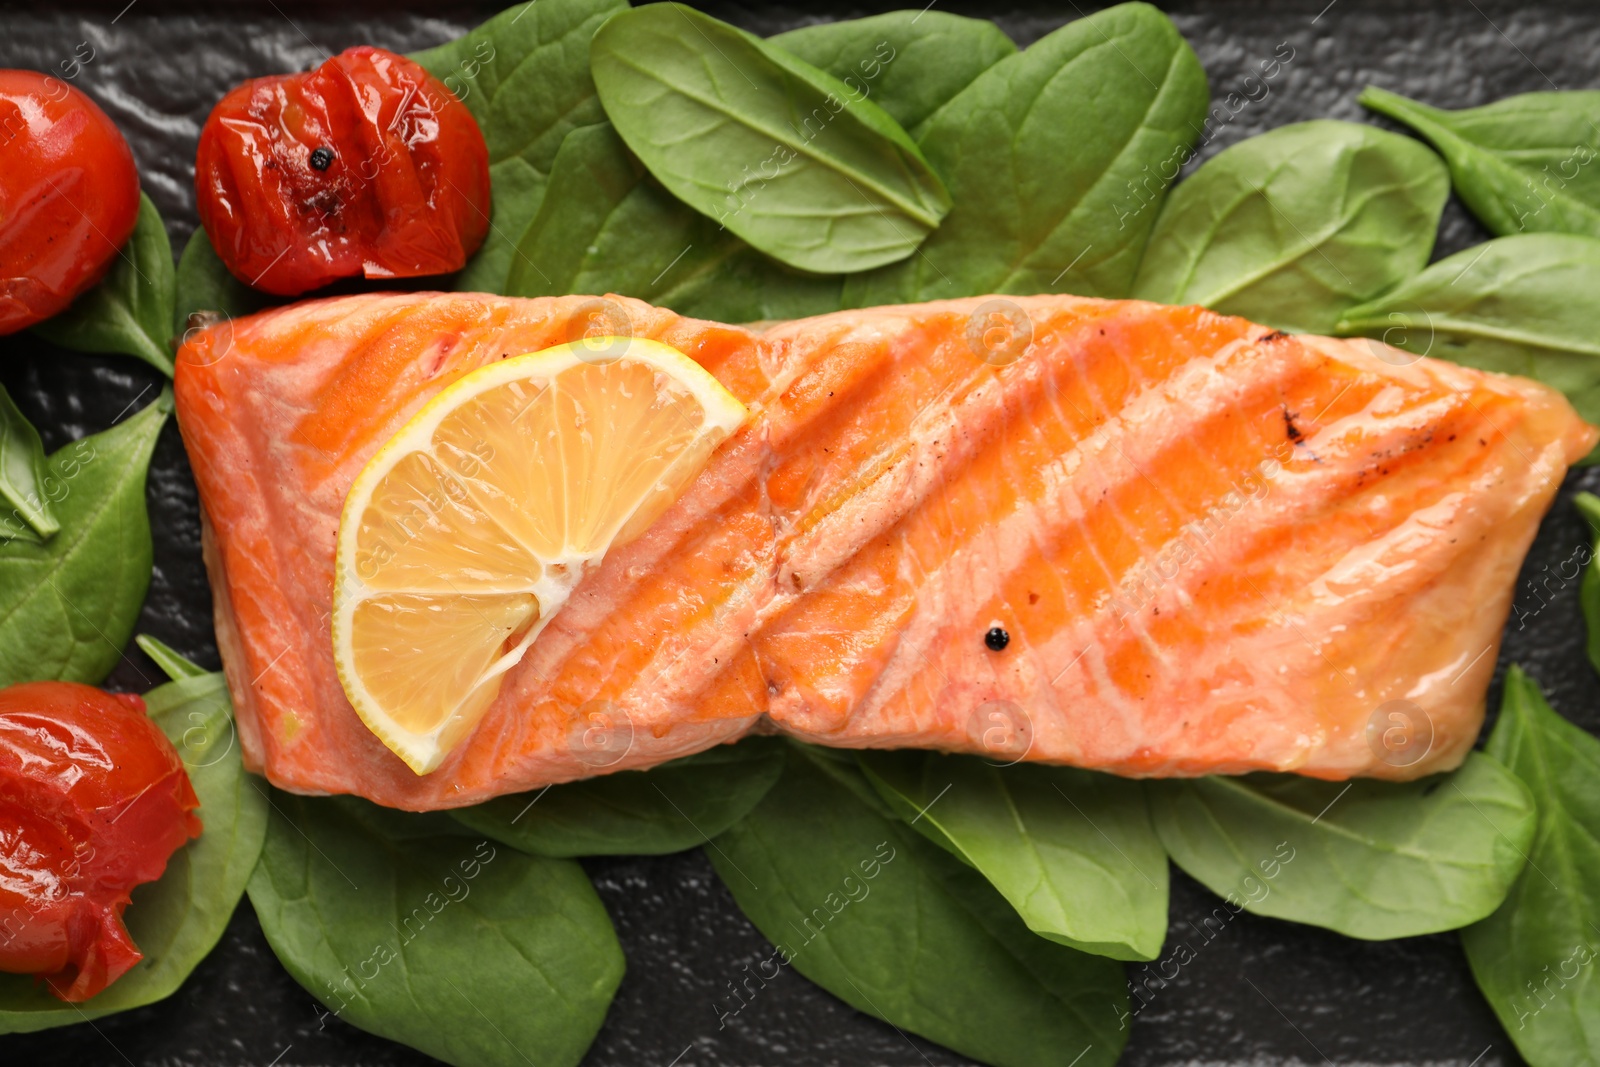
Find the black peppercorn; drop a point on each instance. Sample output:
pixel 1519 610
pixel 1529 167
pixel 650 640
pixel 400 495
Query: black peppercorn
pixel 321 158
pixel 997 638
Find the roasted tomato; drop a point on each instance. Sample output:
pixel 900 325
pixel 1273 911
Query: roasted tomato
pixel 365 166
pixel 93 801
pixel 69 196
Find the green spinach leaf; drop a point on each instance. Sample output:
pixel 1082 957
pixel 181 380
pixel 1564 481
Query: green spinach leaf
pixel 516 192
pixel 910 63
pixel 1072 851
pixel 1589 590
pixel 592 175
pixel 1370 859
pixel 728 281
pixel 22 478
pixel 524 75
pixel 843 766
pixel 68 606
pixel 129 311
pixel 896 927
pixel 172 662
pixel 1524 164
pixel 669 808
pixel 205 284
pixel 1516 305
pixel 1535 957
pixel 608 227
pixel 782 154
pixel 1058 160
pixel 177 919
pixel 1294 227
pixel 474 953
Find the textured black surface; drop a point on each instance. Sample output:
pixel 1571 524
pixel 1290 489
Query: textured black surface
pixel 1260 993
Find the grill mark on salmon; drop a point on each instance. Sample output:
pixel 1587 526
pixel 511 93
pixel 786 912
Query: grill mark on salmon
pixel 1215 548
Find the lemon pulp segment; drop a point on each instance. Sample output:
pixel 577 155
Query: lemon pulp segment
pixel 468 530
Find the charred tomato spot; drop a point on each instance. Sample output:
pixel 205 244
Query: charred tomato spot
pixel 363 166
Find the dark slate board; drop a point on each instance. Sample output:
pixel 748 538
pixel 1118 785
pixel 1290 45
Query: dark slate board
pixel 158 67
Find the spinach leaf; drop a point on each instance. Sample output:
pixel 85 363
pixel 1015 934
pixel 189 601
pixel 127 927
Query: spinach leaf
pixel 129 310
pixel 177 919
pixel 205 284
pixel 1517 305
pixel 898 928
pixel 67 607
pixel 1589 590
pixel 608 227
pixel 1522 164
pixel 669 808
pixel 730 281
pixel 516 191
pixel 172 662
pixel 1534 958
pixel 473 953
pixel 1073 851
pixel 843 766
pixel 784 155
pixel 910 63
pixel 592 175
pixel 1370 859
pixel 524 75
pixel 22 478
pixel 1058 159
pixel 1294 227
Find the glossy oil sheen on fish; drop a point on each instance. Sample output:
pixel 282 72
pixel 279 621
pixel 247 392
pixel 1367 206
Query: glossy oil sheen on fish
pixel 1212 548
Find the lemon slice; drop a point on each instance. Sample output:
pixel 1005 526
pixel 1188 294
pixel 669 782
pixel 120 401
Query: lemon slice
pixel 468 530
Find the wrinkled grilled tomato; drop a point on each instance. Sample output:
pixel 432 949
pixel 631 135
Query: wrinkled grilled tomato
pixel 365 166
pixel 93 801
pixel 69 196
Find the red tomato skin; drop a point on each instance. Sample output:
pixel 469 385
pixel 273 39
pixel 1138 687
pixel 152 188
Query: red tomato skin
pixel 69 196
pixel 93 801
pixel 405 195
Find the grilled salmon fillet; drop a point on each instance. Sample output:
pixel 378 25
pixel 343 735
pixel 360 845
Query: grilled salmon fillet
pixel 1143 539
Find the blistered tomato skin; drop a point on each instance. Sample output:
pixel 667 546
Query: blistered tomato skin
pixel 93 802
pixel 69 196
pixel 366 166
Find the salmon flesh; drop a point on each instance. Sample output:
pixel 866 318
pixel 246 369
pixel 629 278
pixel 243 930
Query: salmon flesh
pixel 1141 539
